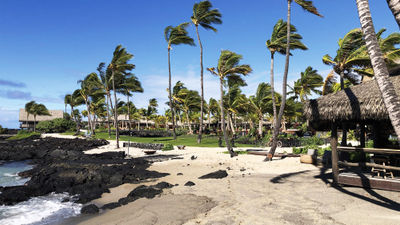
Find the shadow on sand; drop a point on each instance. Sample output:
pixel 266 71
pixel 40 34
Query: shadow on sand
pixel 375 198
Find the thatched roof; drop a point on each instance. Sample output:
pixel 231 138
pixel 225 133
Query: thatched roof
pixel 54 114
pixel 361 102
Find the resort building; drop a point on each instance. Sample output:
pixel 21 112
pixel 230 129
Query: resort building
pixel 27 121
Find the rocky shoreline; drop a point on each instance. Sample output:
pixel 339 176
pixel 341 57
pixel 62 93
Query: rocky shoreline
pixel 62 166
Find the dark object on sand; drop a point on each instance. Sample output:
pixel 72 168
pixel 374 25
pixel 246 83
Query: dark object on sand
pixel 190 183
pixel 181 147
pixel 193 157
pixel 179 174
pixel 215 175
pixel 111 205
pixel 149 152
pixel 90 209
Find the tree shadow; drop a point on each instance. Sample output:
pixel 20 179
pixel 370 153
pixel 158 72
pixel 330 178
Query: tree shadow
pixel 384 202
pixel 280 178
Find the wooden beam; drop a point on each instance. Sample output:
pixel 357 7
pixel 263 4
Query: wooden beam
pixel 362 135
pixel 369 182
pixel 335 156
pixel 370 150
pixel 369 165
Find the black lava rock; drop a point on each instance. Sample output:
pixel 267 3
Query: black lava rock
pixel 90 209
pixel 190 183
pixel 215 175
pixel 111 205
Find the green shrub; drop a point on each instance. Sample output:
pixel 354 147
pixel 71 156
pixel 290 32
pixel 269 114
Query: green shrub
pixel 369 144
pixel 22 134
pixel 314 140
pixel 55 126
pixel 304 150
pixel 2 130
pixel 168 147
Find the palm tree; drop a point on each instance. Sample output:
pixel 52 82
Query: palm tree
pixel 106 85
pixel 130 84
pixel 228 65
pixel 175 36
pixel 394 6
pixel 348 56
pixel 277 44
pixel 151 110
pixel 90 88
pixel 308 82
pixel 204 16
pixel 214 109
pixel 308 6
pixel 381 72
pixel 189 101
pixel 28 109
pixel 119 65
pixel 37 110
pixel 262 103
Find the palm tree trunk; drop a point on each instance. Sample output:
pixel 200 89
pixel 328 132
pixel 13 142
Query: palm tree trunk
pixel 231 122
pixel 88 115
pixel 221 104
pixel 209 120
pixel 394 6
pixel 34 122
pixel 344 127
pixel 129 114
pixel 169 92
pixel 273 89
pixel 284 84
pixel 202 87
pixel 188 123
pixel 108 114
pixel 386 87
pixel 260 125
pixel 115 110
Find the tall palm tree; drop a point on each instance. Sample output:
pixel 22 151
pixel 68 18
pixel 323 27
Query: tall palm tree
pixel 277 44
pixel 106 85
pixel 151 110
pixel 381 72
pixel 228 65
pixel 309 7
pixel 214 109
pixel 119 65
pixel 308 82
pixel 204 16
pixel 175 36
pixel 67 100
pixel 394 6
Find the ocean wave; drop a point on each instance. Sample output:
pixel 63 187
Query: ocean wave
pixel 39 210
pixel 10 174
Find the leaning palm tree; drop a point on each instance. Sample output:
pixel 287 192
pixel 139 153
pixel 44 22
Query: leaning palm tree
pixel 175 36
pixel 309 7
pixel 204 16
pixel 119 65
pixel 394 6
pixel 228 65
pixel 38 110
pixel 189 100
pixel 277 44
pixel 106 85
pixel 381 72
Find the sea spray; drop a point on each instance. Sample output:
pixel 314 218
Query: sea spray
pixel 50 209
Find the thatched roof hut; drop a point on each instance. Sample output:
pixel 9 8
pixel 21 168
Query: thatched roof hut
pixel 360 103
pixel 54 114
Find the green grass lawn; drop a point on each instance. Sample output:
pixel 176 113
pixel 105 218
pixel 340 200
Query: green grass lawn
pixel 187 140
pixel 23 136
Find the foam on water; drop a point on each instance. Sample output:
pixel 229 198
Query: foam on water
pixel 9 173
pixel 39 210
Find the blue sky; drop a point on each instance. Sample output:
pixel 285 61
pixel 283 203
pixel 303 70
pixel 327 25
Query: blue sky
pixel 47 45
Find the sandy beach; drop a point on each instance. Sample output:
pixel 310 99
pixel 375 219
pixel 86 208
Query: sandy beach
pixel 283 191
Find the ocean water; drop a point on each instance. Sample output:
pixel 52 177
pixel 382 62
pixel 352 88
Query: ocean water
pixel 49 209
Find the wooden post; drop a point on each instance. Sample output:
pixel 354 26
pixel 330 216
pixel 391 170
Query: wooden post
pixel 334 143
pixel 362 135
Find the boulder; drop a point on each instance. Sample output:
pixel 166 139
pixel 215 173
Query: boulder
pixel 90 209
pixel 215 175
